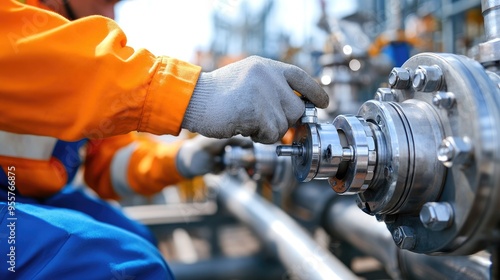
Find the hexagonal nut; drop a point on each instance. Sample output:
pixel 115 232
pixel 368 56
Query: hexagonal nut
pixel 399 78
pixel 404 237
pixel 437 216
pixel 427 78
pixel 385 95
pixel 444 99
pixel 455 150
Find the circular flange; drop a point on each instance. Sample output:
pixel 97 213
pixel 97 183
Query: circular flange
pixel 407 163
pixel 306 165
pixel 384 197
pixel 471 187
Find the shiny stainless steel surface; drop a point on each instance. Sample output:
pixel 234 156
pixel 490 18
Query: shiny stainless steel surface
pixel 303 257
pixel 361 165
pixel 469 130
pixel 421 266
pixel 345 221
pixel 491 14
pixel 432 143
pixel 489 51
pixel 437 216
pixel 261 163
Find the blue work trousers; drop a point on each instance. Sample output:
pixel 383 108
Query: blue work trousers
pixel 74 236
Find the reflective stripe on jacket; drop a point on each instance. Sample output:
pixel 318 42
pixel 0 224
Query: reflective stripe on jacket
pixel 42 165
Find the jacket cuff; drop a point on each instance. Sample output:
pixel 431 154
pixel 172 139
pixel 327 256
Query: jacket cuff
pixel 168 96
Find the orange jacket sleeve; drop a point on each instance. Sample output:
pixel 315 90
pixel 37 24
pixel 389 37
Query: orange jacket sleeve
pixel 74 80
pixel 148 167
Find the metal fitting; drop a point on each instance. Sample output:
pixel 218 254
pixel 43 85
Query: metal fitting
pixel 399 78
pixel 491 14
pixel 427 78
pixel 310 114
pixel 289 150
pixel 437 216
pixel 454 150
pixel 385 94
pixel 360 152
pixel 404 237
pixel 444 99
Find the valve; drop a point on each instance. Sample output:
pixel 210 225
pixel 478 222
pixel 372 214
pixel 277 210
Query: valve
pixel 327 151
pixel 429 142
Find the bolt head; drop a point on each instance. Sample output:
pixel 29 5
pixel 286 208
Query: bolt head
pixel 418 79
pixel 454 150
pixel 385 95
pixel 437 216
pixel 404 237
pixel 446 151
pixel 399 78
pixel 444 99
pixel 427 78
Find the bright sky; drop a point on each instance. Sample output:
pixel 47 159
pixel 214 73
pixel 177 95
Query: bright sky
pixel 177 28
pixel 174 28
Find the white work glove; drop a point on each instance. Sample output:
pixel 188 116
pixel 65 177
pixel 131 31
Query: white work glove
pixel 201 155
pixel 252 97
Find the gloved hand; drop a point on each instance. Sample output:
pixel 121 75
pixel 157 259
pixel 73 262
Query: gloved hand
pixel 253 97
pixel 201 155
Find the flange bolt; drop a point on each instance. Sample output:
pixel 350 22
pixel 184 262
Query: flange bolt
pixel 399 78
pixel 427 78
pixel 404 237
pixel 436 216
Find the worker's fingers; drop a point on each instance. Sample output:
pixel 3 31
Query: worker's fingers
pixel 301 82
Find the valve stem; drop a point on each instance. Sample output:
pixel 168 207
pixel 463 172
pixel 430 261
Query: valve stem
pixel 289 150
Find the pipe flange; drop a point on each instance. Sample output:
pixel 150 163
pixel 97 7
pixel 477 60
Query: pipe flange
pixel 470 185
pixel 306 164
pixel 361 167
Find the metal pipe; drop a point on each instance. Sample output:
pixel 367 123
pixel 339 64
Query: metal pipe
pixel 346 221
pixel 420 266
pixel 299 253
pixel 489 51
pixel 491 14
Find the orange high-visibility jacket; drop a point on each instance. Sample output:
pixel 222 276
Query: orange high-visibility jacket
pixel 62 80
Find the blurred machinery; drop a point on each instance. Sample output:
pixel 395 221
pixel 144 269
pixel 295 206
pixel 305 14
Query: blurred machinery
pixel 346 72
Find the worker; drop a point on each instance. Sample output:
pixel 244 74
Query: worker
pixel 62 82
